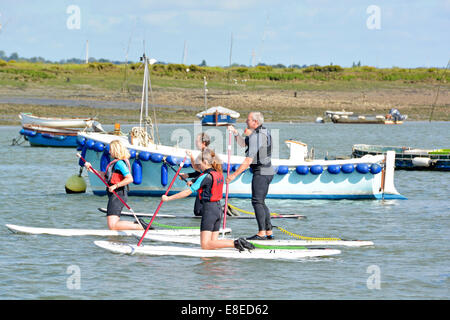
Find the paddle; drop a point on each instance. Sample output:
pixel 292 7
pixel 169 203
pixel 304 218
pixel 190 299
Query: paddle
pixel 161 202
pixel 114 192
pixel 228 173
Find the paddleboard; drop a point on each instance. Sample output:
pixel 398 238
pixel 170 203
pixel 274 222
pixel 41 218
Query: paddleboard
pixel 103 232
pixel 224 253
pixel 271 243
pixel 160 215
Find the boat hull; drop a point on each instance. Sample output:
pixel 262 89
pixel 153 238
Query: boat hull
pixel 55 138
pixel 286 185
pixel 55 122
pixel 407 158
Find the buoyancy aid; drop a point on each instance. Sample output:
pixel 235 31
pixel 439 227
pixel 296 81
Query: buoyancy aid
pixel 214 192
pixel 115 176
pixel 264 153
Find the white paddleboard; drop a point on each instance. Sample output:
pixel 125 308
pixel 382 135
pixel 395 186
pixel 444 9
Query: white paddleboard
pixel 161 215
pixel 224 253
pixel 104 232
pixel 196 240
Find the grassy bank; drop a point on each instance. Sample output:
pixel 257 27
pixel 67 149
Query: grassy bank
pixel 283 94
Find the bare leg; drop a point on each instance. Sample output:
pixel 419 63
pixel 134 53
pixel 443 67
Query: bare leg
pixel 114 223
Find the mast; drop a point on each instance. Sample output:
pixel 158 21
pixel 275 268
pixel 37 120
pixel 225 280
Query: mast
pixel 87 51
pixel 205 91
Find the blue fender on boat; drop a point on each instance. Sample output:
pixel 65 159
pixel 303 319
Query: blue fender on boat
pixel 282 170
pixel 225 167
pixel 144 155
pixel 90 144
pixel 347 168
pixel 81 141
pixel 83 154
pixel 132 153
pixel 156 157
pixel 59 137
pixel 46 135
pixel 334 169
pixel 362 168
pixel 104 161
pixel 303 170
pixel 375 168
pixel 98 146
pixel 22 131
pixel 316 169
pixel 164 175
pixel 29 133
pixel 107 147
pixel 136 169
pixel 174 160
pixel 187 163
pixel 235 166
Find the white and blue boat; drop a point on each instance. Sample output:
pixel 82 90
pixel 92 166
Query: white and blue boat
pixel 55 132
pixel 370 177
pixel 218 116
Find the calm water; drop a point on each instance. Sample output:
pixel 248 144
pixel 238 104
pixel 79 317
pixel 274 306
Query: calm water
pixel 411 256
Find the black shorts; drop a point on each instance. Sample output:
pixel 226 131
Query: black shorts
pixel 211 216
pixel 115 206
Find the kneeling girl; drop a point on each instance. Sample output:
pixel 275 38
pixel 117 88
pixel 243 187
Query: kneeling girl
pixel 209 186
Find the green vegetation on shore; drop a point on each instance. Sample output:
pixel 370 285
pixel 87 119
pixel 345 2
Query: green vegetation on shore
pixel 108 75
pixel 268 88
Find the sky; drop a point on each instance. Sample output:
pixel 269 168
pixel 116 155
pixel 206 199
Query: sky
pixel 402 33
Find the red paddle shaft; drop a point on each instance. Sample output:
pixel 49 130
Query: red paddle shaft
pixel 228 173
pixel 161 202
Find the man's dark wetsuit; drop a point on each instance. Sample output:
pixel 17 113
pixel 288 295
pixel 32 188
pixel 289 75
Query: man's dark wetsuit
pixel 259 147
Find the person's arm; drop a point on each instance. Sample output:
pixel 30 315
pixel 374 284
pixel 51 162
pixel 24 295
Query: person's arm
pixel 89 167
pixel 126 181
pixel 247 162
pixel 240 141
pixel 176 196
pixel 186 193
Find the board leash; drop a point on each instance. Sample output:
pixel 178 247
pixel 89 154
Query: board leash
pixel 248 212
pixel 297 236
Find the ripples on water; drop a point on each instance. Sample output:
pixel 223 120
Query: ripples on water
pixel 411 236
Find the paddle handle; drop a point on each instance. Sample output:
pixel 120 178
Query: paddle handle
pixel 161 202
pixel 228 173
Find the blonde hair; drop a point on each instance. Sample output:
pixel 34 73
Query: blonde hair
pixel 209 157
pixel 118 150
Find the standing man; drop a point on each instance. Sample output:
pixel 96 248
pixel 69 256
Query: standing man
pixel 258 157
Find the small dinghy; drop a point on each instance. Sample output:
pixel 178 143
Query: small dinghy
pixel 218 116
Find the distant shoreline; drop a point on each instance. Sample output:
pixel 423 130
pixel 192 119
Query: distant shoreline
pixel 282 95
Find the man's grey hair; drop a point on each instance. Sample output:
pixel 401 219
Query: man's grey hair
pixel 257 116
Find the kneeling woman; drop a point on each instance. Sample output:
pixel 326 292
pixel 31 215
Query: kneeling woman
pixel 209 185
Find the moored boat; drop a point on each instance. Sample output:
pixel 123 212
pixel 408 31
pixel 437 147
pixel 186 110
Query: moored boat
pixel 55 132
pixel 407 158
pixel 218 116
pixel 393 117
pixel 28 118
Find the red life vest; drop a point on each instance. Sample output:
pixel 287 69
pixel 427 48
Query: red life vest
pixel 113 177
pixel 216 192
